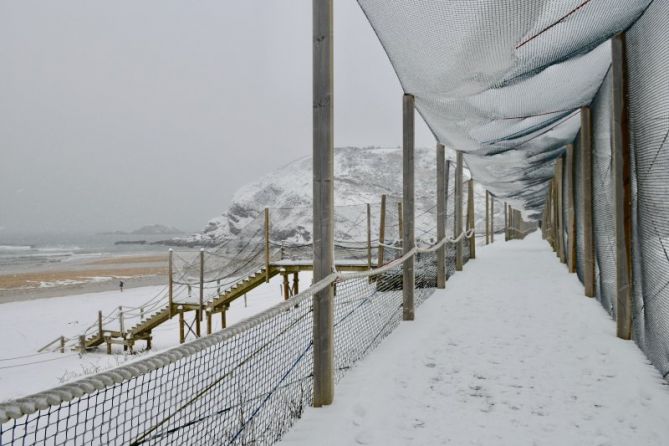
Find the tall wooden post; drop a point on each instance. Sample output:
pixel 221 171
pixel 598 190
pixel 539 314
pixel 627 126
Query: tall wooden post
pixel 296 283
pixel 400 219
pixel 586 185
pixel 369 236
pixel 492 218
pixel 323 205
pixel 487 217
pixel 100 334
pixel 408 185
pixel 170 283
pixel 571 210
pixel 458 211
pixel 208 322
pixel 471 219
pixel 182 331
pixel 266 232
pixel 441 215
pixel 121 321
pixel 622 190
pixel 201 283
pixel 382 230
pixel 286 286
pixel 559 166
pixel 506 222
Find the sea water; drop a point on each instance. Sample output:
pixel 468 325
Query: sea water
pixel 36 251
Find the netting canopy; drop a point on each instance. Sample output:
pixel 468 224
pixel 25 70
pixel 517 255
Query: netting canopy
pixel 502 80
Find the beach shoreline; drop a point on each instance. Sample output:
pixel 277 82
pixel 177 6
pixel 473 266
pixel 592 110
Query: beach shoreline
pixel 85 276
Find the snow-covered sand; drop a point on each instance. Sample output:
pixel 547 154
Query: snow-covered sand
pixel 27 326
pixel 511 353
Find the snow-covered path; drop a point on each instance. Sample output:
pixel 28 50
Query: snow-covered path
pixel 511 353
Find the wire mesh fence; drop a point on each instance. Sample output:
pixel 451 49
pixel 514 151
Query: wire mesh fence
pixel 243 385
pixel 646 89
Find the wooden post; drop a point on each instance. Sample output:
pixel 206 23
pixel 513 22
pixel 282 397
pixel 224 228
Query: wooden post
pixel 458 211
pixel 622 167
pixel 571 211
pixel 100 324
pixel 492 218
pixel 62 344
pixel 296 283
pixel 198 318
pixel 82 344
pixel 382 230
pixel 182 331
pixel 560 206
pixel 472 219
pixel 201 284
pixel 120 320
pixel 323 204
pixel 223 318
pixel 487 217
pixel 170 283
pixel 369 236
pixel 506 222
pixel 266 232
pixel 408 196
pixel 441 215
pixel 208 322
pixel 586 166
pixel 400 231
pixel 286 286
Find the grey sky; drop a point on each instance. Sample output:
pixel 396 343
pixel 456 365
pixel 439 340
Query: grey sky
pixel 118 114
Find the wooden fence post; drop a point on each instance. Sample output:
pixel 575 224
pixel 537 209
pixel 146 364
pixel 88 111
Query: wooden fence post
pixel 400 223
pixel 382 230
pixel 323 204
pixel 622 180
pixel 201 283
pixel 408 186
pixel 560 202
pixel 369 236
pixel 100 324
pixel 62 344
pixel 506 222
pixel 492 218
pixel 586 166
pixel 267 255
pixel 458 211
pixel 487 217
pixel 441 215
pixel 571 211
pixel 182 331
pixel 170 283
pixel 471 219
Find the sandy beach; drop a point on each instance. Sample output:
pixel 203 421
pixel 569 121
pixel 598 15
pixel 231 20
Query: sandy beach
pixel 86 276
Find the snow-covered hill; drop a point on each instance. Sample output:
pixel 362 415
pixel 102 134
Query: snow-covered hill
pixel 362 175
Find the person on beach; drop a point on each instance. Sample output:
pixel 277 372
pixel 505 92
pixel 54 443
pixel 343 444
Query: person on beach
pixel 120 285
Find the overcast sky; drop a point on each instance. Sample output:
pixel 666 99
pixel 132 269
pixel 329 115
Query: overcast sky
pixel 118 114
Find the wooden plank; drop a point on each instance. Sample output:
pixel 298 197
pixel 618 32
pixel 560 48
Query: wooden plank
pixel 408 192
pixel 586 202
pixel 323 204
pixel 622 190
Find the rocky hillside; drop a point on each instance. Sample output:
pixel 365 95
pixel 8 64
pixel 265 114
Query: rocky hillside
pixel 362 175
